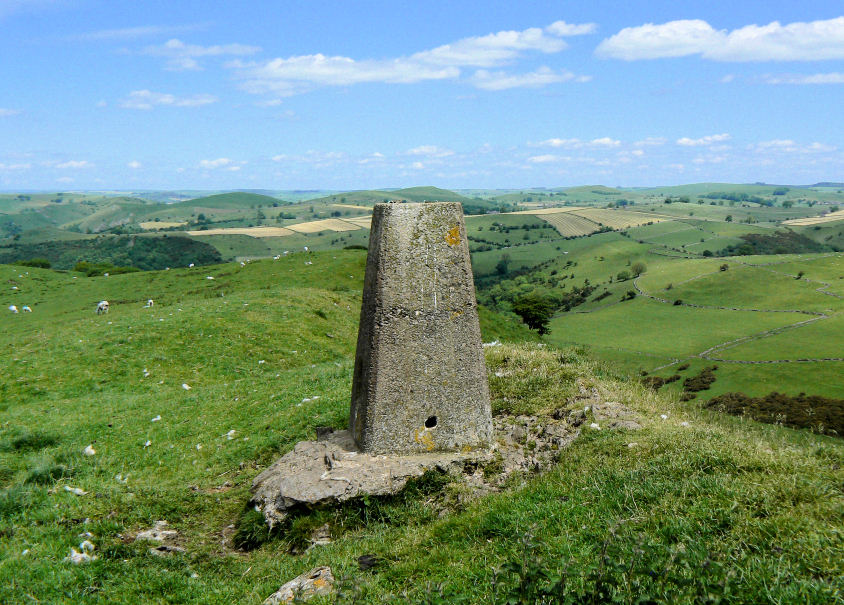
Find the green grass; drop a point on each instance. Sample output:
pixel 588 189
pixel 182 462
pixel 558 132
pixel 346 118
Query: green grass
pixel 720 507
pixel 661 329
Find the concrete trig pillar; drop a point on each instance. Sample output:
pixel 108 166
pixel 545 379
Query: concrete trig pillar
pixel 420 378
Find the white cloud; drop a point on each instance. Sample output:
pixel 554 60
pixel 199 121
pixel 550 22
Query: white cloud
pixel 64 179
pixel 707 140
pixel 5 113
pixel 147 99
pixel 728 78
pixel 605 142
pixel 651 142
pixel 431 151
pixel 418 165
pixel 15 166
pixel 130 33
pixel 134 164
pixel 561 28
pixel 543 159
pixel 301 73
pixel 577 143
pixel 500 80
pixel 75 164
pixel 182 57
pixel 221 164
pixel 799 41
pixel 828 78
pixel 790 146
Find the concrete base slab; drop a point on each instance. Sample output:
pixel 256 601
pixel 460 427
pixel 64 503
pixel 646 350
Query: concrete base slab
pixel 334 470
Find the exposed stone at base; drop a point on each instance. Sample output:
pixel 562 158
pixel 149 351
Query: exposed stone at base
pixel 332 470
pixel 318 581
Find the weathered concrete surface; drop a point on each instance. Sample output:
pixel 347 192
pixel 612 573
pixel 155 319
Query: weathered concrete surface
pixel 420 381
pixel 318 581
pixel 334 470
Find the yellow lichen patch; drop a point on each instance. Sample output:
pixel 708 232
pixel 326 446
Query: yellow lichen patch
pixel 452 238
pixel 456 314
pixel 423 436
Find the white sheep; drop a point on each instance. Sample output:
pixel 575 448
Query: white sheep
pixel 26 309
pixel 102 307
pixel 13 308
pixel 150 303
pixel 190 266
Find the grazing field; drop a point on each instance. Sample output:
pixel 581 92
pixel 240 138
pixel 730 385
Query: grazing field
pixel 649 327
pixel 267 351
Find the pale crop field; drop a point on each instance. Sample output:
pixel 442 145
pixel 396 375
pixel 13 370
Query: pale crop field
pixel 570 224
pixel 619 219
pixel 160 224
pixel 816 220
pixel 328 224
pixel 250 231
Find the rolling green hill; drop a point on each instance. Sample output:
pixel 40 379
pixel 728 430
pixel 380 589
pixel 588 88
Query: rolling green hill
pixel 184 403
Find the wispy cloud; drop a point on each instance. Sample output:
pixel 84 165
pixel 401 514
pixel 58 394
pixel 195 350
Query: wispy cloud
pixel 75 165
pixel 799 41
pixel 828 78
pixel 707 140
pixel 431 151
pixel 790 146
pixel 221 164
pixel 140 31
pixel 15 166
pixel 134 165
pixel 182 57
pixel 147 99
pixel 577 143
pixel 5 113
pixel 543 76
pixel 301 73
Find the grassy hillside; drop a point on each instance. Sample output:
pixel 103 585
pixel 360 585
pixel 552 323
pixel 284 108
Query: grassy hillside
pixel 723 508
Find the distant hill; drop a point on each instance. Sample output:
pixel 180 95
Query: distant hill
pixel 373 196
pixel 142 252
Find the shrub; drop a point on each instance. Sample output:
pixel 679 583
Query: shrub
pixel 820 414
pixel 42 263
pixel 701 382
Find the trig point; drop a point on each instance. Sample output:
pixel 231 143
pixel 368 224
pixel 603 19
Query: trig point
pixel 420 379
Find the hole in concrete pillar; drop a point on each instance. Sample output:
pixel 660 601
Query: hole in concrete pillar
pixel 431 422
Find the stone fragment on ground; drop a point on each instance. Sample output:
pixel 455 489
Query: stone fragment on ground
pixel 165 537
pixel 318 581
pixel 614 415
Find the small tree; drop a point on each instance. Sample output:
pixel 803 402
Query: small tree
pixel 638 268
pixel 536 310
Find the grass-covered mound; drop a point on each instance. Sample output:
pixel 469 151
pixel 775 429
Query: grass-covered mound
pixel 703 507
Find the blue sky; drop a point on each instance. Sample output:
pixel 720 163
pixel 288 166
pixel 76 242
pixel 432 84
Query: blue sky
pixel 348 95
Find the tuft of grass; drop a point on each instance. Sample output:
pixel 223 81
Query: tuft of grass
pixel 48 472
pixel 28 441
pixel 13 501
